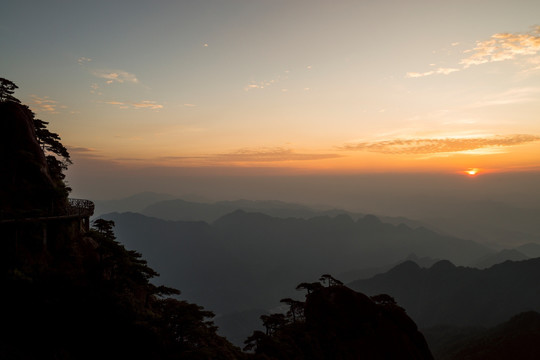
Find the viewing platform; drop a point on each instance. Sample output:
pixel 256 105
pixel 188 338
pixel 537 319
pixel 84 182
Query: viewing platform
pixel 81 209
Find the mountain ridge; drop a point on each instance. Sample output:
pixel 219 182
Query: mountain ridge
pixel 456 295
pixel 242 244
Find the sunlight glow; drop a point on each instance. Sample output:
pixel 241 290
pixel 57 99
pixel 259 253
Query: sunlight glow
pixel 472 171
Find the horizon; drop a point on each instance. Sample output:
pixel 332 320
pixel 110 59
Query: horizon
pixel 391 194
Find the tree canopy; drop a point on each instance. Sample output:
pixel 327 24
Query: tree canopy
pixel 7 88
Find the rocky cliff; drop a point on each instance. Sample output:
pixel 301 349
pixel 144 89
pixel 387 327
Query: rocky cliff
pixel 26 185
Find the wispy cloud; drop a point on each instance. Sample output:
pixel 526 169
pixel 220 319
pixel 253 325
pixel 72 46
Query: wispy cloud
pixel 504 46
pixel 83 60
pixel 268 155
pixel 152 105
pixel 257 85
pixel 439 71
pixel 119 76
pixel 499 47
pixel 84 152
pixel 80 149
pixel 94 89
pixel 45 104
pixel 443 145
pixel 120 104
pixel 243 156
pixel 253 85
pixel 145 104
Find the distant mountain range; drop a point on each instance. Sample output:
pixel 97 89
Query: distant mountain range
pixel 183 210
pixel 496 224
pixel 169 207
pixel 499 257
pixel 446 294
pixel 235 262
pixel 531 250
pixel 250 260
pixel 369 272
pixel 488 222
pixel 134 203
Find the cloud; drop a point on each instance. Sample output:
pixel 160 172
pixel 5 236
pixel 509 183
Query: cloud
pixel 118 76
pixel 180 158
pixel 84 152
pixel 189 105
pixel 253 85
pixel 268 155
pixel 81 149
pixel 439 71
pixel 152 105
pixel 145 104
pixel 499 47
pixel 242 156
pixel 45 104
pixel 504 46
pixel 443 145
pixel 83 60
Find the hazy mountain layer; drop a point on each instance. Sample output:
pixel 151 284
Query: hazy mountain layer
pixel 446 294
pixel 244 259
pixel 499 257
pixel 487 222
pixel 183 210
pixel 134 203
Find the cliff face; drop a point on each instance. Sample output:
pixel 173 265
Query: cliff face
pixel 26 186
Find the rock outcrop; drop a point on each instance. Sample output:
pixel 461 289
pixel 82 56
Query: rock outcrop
pixel 26 186
pixel 342 324
pixel 350 323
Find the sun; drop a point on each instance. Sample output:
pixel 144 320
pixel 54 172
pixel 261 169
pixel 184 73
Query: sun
pixel 471 171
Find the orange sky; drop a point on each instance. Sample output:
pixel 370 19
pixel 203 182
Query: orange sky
pixel 309 86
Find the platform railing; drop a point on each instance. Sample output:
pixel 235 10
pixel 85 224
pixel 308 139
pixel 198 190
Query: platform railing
pixel 74 208
pixel 81 207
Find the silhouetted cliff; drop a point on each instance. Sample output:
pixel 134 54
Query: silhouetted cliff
pixel 70 292
pixel 26 185
pixel 338 323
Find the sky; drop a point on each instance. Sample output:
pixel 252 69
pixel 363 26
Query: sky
pixel 146 92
